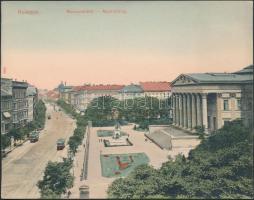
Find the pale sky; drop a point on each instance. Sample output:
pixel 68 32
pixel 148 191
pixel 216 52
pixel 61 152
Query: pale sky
pixel 150 41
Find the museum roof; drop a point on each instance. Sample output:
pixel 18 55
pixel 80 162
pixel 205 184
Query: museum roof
pixel 155 86
pixel 220 77
pixel 246 70
pixel 243 76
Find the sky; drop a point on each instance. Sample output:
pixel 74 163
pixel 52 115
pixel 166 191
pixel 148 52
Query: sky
pixel 122 42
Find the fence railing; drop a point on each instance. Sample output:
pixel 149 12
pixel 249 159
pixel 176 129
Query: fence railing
pixel 86 155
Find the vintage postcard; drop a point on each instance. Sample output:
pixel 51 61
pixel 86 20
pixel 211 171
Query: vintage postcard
pixel 127 99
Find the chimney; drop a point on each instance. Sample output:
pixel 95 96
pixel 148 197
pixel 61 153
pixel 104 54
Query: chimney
pixel 65 83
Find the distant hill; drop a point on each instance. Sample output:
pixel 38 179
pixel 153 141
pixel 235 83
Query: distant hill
pixel 220 167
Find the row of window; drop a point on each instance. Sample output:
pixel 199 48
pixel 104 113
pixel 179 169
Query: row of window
pixel 19 116
pixel 6 105
pixel 226 104
pixel 165 94
pixel 19 105
pixel 17 93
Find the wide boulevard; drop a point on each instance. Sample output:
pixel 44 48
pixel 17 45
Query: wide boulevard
pixel 24 166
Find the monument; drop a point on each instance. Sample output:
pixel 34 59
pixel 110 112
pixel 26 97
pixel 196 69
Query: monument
pixel 117 131
pixel 117 138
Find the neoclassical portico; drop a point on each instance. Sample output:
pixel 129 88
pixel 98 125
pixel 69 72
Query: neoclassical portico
pixel 187 110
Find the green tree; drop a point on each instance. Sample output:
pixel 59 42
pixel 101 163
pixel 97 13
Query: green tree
pixel 5 141
pixel 220 167
pixel 57 178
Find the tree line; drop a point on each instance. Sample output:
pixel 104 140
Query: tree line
pixel 57 177
pixel 144 111
pixel 220 167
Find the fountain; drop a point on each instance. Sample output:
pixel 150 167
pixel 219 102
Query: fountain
pixel 117 139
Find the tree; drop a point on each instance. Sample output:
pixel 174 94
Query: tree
pixel 5 141
pixel 47 193
pixel 15 134
pixel 57 178
pixel 200 131
pixel 220 167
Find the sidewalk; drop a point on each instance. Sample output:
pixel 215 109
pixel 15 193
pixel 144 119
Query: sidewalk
pixel 11 148
pixel 19 143
pixel 77 170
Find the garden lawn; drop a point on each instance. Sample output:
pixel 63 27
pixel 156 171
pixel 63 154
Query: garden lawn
pixel 110 168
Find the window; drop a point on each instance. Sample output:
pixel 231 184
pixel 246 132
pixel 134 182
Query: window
pixel 226 121
pixel 238 104
pixel 225 104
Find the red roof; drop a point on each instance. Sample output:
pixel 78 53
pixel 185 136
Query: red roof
pixel 53 94
pixel 99 87
pixel 77 88
pixel 156 86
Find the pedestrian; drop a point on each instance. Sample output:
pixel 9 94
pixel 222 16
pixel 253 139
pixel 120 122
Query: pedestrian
pixel 69 194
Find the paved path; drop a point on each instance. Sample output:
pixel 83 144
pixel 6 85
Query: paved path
pixel 97 183
pixel 23 167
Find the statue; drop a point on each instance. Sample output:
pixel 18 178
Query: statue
pixel 117 132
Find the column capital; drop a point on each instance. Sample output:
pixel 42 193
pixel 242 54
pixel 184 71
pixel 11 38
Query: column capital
pixel 204 95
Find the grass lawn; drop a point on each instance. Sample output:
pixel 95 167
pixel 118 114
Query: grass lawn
pixel 110 167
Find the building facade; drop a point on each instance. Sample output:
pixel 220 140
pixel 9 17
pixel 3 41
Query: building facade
pixel 160 90
pixel 6 105
pixel 131 91
pixel 210 100
pixel 20 104
pixel 81 96
pixel 32 97
pixel 64 92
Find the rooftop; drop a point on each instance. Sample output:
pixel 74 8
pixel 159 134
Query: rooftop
pixel 99 87
pixel 220 77
pixel 243 76
pixel 246 70
pixel 31 90
pixel 155 86
pixel 20 84
pixel 132 89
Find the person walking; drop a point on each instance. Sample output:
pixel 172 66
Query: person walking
pixel 68 194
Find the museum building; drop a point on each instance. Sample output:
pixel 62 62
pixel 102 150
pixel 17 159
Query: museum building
pixel 212 99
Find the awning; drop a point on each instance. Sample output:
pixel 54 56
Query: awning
pixel 6 114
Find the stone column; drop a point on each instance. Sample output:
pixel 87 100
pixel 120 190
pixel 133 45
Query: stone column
pixel 199 114
pixel 193 112
pixel 185 111
pixel 173 108
pixel 177 110
pixel 204 112
pixel 189 110
pixel 180 110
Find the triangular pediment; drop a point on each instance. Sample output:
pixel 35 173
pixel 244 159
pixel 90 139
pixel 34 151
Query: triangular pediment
pixel 184 80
